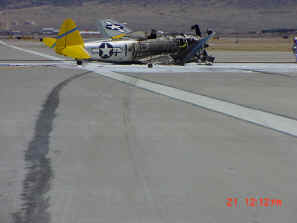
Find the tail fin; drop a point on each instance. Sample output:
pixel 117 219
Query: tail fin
pixel 69 41
pixel 68 36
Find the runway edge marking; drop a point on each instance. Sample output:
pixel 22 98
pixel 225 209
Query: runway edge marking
pixel 30 51
pixel 261 118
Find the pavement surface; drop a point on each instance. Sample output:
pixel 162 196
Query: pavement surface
pixel 247 56
pixel 86 145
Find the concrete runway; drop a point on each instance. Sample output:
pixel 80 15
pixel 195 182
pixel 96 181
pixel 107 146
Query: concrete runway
pixel 79 146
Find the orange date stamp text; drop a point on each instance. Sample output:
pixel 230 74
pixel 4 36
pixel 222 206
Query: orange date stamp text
pixel 253 202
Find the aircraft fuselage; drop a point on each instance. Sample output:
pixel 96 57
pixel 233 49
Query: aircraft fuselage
pixel 122 51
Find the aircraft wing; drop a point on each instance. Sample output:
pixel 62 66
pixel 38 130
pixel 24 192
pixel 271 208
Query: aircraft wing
pixel 112 29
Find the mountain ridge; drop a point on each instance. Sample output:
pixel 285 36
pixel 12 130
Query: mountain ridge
pixel 17 4
pixel 225 16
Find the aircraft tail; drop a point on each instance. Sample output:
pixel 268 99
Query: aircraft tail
pixel 68 42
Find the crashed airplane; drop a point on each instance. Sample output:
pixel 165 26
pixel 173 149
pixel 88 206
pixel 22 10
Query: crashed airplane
pixel 120 45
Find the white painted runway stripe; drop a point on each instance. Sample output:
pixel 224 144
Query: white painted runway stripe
pixel 265 119
pixel 262 118
pixel 277 69
pixel 28 64
pixel 31 51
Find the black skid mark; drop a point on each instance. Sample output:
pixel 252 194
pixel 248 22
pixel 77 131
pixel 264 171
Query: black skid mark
pixel 39 171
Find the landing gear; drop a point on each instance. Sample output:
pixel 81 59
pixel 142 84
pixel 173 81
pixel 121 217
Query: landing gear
pixel 205 58
pixel 79 62
pixel 210 60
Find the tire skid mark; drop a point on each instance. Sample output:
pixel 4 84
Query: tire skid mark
pixel 39 171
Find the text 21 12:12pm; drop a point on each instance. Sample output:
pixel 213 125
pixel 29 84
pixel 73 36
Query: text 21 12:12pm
pixel 254 202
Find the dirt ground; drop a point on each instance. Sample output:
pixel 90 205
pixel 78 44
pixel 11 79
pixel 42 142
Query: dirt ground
pixel 252 44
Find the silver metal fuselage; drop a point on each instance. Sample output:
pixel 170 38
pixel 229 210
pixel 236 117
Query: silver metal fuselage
pixel 122 51
pixel 111 51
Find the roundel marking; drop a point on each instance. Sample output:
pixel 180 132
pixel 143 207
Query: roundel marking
pixel 116 27
pixel 105 50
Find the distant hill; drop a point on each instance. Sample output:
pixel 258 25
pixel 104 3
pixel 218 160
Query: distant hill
pixel 211 3
pixel 228 16
pixel 16 4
